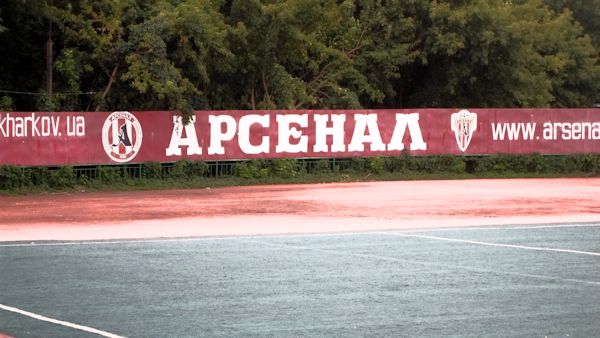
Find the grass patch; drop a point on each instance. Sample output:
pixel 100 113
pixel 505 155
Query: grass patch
pixel 198 174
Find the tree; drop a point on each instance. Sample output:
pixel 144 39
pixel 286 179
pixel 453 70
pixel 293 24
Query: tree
pixel 285 54
pixel 393 45
pixel 151 54
pixel 504 54
pixel 296 54
pixel 96 43
pixel 586 12
pixel 173 54
pixel 569 58
pixel 22 56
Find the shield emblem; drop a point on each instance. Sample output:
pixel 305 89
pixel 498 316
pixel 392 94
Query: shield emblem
pixel 122 136
pixel 464 124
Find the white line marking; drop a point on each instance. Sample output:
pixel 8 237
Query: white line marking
pixel 59 322
pixel 500 245
pixel 291 235
pixel 508 227
pixel 179 239
pixel 434 264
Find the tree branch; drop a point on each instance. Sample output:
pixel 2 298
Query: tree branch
pixel 316 82
pixel 108 86
pixel 252 98
pixel 266 88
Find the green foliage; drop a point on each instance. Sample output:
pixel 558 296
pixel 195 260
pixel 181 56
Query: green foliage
pixel 185 173
pixel 322 166
pixel 521 164
pixel 516 54
pixel 253 169
pixel 451 164
pixel 284 167
pixel 11 177
pixel 40 177
pixel 45 103
pixel 356 165
pixel 497 163
pixel 396 164
pixel 375 165
pixel 189 169
pixel 181 169
pixel 433 164
pixel 537 164
pixel 152 170
pixel 587 163
pixel 586 12
pixel 199 168
pixel 282 54
pixel 63 177
pixel 6 103
pixel 111 174
pixel 67 74
pixel 421 164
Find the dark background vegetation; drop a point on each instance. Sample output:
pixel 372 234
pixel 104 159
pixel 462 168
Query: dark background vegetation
pixel 284 54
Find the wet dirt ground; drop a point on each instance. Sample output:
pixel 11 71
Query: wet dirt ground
pixel 290 208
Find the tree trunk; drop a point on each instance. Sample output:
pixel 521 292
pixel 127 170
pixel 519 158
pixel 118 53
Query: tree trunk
pixel 108 86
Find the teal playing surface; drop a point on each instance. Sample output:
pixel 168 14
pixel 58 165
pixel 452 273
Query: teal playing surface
pixel 494 282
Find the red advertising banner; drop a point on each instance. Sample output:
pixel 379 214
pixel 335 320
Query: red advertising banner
pixel 53 139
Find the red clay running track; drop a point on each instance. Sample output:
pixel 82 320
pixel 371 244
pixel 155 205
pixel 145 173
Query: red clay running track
pixel 285 209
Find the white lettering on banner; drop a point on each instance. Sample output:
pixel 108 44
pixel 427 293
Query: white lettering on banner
pixel 553 131
pixel 76 126
pixel 366 122
pixel 31 126
pixel 246 123
pixel 217 135
pixel 571 131
pixel 410 121
pixel 513 131
pixel 286 132
pixel 190 140
pixel 290 133
pixel 336 131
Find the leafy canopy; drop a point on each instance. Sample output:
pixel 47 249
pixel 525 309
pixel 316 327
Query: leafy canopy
pixel 299 54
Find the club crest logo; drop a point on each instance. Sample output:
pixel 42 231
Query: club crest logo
pixel 464 124
pixel 121 136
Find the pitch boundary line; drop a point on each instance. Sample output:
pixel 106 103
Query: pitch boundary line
pixel 59 322
pixel 289 235
pixel 508 227
pixel 500 245
pixel 434 264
